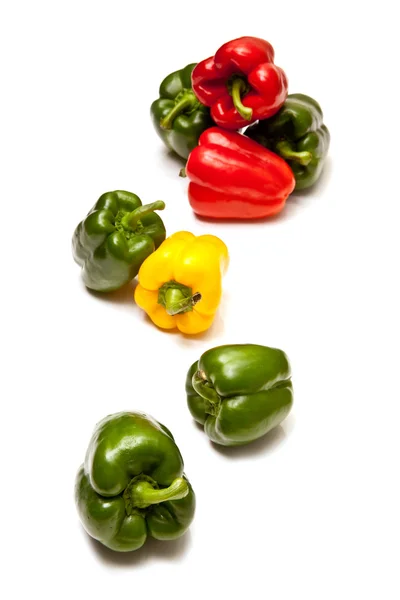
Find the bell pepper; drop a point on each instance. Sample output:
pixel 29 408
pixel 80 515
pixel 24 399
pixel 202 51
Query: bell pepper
pixel 113 240
pixel 233 177
pixel 180 284
pixel 239 392
pixel 298 135
pixel 178 117
pixel 240 83
pixel 132 484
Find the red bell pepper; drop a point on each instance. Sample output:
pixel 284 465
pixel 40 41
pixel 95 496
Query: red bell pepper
pixel 240 83
pixel 234 177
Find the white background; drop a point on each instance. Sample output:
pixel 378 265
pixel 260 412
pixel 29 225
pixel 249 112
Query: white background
pixel 310 511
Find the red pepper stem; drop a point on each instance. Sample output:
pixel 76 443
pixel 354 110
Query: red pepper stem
pixel 238 88
pixel 285 150
pixel 130 220
pixel 186 101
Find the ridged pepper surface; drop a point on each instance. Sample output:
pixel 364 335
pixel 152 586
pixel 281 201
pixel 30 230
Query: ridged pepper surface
pixel 131 485
pixel 113 240
pixel 297 133
pixel 239 392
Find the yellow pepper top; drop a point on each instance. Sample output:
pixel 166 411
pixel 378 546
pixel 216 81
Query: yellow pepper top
pixel 180 284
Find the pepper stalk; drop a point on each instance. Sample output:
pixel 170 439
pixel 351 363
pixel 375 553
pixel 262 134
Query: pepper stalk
pixel 238 88
pixel 131 220
pixel 186 102
pixel 177 298
pixel 142 492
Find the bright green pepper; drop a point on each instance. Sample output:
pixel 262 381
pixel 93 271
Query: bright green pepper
pixel 298 135
pixel 132 484
pixel 114 239
pixel 178 117
pixel 239 392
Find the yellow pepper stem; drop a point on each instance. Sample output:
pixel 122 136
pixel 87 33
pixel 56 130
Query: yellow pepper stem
pixel 177 298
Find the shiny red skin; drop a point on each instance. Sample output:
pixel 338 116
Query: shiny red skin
pixel 252 58
pixel 234 177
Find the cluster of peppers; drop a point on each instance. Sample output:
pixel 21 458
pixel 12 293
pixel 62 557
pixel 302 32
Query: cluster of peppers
pixel 247 143
pixel 132 483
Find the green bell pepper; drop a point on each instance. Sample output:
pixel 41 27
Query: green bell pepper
pixel 298 135
pixel 178 117
pixel 116 236
pixel 132 484
pixel 239 392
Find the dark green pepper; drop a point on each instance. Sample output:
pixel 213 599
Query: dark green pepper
pixel 298 135
pixel 239 392
pixel 114 239
pixel 132 484
pixel 178 117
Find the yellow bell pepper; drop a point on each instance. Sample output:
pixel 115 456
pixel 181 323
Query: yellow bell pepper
pixel 180 284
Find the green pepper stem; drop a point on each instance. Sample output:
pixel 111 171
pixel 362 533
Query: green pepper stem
pixel 143 494
pixel 204 389
pixel 187 101
pixel 285 150
pixel 130 220
pixel 238 88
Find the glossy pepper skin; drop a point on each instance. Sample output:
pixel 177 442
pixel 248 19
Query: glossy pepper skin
pixel 239 392
pixel 180 285
pixel 114 239
pixel 233 177
pixel 240 83
pixel 178 116
pixel 132 484
pixel 298 135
